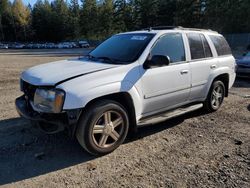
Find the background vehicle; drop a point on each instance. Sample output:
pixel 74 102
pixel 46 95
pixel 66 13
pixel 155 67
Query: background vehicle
pixel 243 66
pixel 16 45
pixel 65 45
pixel 131 79
pixel 3 46
pixel 50 45
pixel 83 44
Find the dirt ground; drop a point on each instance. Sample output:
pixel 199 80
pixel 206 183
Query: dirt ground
pixel 195 150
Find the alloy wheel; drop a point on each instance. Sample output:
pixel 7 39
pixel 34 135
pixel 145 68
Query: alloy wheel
pixel 217 96
pixel 108 129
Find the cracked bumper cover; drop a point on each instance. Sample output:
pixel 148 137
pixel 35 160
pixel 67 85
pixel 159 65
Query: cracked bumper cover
pixel 66 119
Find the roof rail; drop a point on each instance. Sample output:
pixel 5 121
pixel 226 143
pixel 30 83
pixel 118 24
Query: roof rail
pixel 162 28
pixel 197 29
pixel 176 27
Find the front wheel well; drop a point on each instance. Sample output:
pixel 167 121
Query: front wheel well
pixel 126 101
pixel 225 79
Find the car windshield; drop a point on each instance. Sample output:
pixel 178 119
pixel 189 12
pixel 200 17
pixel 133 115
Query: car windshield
pixel 122 49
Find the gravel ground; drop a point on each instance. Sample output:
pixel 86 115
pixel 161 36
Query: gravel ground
pixel 195 150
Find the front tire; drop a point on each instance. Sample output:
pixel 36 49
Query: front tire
pixel 102 127
pixel 215 96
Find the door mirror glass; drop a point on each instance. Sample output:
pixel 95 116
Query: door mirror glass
pixel 157 61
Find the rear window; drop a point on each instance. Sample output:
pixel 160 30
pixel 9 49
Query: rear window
pixel 221 45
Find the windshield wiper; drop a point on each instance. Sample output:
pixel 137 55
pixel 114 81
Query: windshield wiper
pixel 107 59
pixel 90 56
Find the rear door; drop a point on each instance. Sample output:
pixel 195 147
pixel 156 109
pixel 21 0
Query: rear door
pixel 201 64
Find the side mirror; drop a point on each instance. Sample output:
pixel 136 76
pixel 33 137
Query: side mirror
pixel 157 61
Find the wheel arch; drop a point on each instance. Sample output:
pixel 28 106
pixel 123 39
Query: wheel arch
pixel 123 98
pixel 225 79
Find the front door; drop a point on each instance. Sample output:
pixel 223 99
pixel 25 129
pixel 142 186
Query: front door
pixel 168 86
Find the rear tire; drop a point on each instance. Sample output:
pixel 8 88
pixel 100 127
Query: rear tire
pixel 215 96
pixel 102 127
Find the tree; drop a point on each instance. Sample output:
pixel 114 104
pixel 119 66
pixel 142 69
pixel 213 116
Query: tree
pixel 145 13
pixel 74 19
pixel 166 12
pixel 60 19
pixel 42 21
pixel 106 18
pixel 21 15
pixel 188 13
pixel 228 16
pixel 89 19
pixel 123 15
pixel 3 11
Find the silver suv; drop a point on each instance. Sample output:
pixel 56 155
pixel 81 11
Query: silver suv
pixel 131 79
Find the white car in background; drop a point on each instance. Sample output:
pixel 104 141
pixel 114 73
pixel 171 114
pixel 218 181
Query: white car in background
pixel 84 44
pixel 131 79
pixel 3 46
pixel 65 45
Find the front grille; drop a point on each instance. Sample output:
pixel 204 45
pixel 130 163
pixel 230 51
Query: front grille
pixel 28 89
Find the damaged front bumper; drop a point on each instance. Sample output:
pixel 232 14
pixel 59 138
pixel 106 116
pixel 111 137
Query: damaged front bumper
pixel 54 122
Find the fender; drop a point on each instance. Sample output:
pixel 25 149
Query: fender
pixel 78 99
pixel 217 72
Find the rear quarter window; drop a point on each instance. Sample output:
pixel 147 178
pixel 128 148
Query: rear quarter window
pixel 220 45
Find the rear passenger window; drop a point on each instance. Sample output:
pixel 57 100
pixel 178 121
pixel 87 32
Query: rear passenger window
pixel 170 45
pixel 196 46
pixel 221 45
pixel 199 46
pixel 206 46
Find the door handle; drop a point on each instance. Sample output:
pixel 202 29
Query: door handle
pixel 213 66
pixel 184 71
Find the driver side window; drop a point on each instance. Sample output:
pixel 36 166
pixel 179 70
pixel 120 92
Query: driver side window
pixel 170 45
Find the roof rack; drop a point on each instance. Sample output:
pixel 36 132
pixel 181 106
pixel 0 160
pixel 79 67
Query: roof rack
pixel 197 29
pixel 162 28
pixel 176 27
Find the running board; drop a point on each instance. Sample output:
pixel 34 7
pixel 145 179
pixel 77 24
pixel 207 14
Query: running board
pixel 170 114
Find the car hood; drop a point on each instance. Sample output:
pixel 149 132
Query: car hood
pixel 57 72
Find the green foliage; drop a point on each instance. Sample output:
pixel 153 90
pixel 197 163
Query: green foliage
pixel 188 13
pixel 67 20
pixel 74 20
pixel 21 16
pixel 228 16
pixel 6 23
pixel 89 19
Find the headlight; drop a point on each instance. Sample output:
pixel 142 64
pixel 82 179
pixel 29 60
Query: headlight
pixel 49 100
